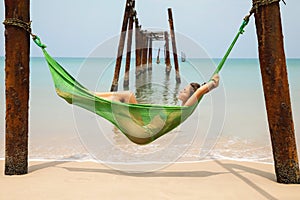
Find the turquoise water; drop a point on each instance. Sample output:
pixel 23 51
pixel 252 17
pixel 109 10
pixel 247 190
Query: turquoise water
pixel 242 132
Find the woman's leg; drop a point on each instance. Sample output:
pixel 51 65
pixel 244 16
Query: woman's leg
pixel 132 98
pixel 105 95
pixel 124 97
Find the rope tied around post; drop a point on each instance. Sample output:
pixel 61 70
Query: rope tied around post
pixel 18 23
pixel 255 5
pixel 25 26
pixel 258 3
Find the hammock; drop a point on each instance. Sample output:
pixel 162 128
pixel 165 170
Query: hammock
pixel 141 123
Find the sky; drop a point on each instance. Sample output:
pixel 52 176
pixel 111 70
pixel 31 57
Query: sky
pixel 74 28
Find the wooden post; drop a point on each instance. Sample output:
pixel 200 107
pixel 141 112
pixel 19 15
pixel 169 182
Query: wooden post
pixel 172 32
pixel 150 54
pixel 276 91
pixel 144 52
pixel 128 8
pixel 17 51
pixel 137 48
pixel 157 58
pixel 167 53
pixel 128 55
pixel 142 49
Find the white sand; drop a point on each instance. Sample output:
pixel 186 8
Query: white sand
pixel 203 180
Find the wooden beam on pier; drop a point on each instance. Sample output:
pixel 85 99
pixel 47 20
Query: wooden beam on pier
pixel 128 8
pixel 138 48
pixel 156 36
pixel 129 44
pixel 150 53
pixel 276 90
pixel 17 51
pixel 167 54
pixel 157 58
pixel 175 56
pixel 144 51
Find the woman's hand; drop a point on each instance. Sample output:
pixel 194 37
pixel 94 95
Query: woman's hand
pixel 214 82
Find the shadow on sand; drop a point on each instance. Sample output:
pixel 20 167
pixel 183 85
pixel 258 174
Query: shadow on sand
pixel 232 168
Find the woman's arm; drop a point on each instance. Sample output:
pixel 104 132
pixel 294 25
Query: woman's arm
pixel 213 83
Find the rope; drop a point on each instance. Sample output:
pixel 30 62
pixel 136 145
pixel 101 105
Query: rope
pixel 241 31
pixel 258 3
pixel 25 26
pixel 255 6
pixel 19 23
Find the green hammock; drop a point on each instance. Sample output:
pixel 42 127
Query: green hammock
pixel 141 123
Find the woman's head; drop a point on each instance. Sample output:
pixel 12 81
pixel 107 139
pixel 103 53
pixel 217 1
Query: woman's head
pixel 194 87
pixel 188 91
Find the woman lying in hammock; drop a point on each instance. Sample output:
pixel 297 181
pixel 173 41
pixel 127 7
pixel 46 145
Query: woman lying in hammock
pixel 162 121
pixel 189 95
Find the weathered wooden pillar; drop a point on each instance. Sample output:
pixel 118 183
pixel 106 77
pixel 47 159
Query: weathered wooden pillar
pixel 276 90
pixel 144 52
pixel 142 48
pixel 17 51
pixel 175 56
pixel 167 53
pixel 128 54
pixel 128 8
pixel 157 58
pixel 138 52
pixel 150 54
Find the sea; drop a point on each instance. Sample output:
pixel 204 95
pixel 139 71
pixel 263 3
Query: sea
pixel 230 122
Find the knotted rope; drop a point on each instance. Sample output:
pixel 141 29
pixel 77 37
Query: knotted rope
pixel 25 26
pixel 258 3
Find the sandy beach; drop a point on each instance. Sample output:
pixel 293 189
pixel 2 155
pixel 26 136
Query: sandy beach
pixel 216 179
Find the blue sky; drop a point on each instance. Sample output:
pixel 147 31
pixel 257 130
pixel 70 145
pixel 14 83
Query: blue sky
pixel 73 28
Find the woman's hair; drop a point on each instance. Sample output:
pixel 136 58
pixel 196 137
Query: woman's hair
pixel 194 86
